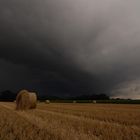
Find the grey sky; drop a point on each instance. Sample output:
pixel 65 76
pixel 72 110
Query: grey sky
pixel 70 47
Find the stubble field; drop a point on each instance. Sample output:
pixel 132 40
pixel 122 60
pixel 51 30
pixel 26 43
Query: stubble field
pixel 59 121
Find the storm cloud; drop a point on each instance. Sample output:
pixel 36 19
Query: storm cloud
pixel 65 47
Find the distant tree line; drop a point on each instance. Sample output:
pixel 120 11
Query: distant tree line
pixel 10 96
pixel 101 96
pixel 7 95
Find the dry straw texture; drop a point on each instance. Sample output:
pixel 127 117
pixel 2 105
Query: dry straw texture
pixel 70 122
pixel 26 100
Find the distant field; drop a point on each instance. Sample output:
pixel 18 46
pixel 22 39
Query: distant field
pixel 111 101
pixel 68 121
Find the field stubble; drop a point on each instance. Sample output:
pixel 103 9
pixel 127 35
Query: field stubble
pixel 70 122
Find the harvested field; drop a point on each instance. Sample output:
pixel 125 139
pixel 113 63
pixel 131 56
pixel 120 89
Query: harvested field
pixel 70 122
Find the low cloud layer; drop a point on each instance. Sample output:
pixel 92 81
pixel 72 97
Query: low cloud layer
pixel 64 47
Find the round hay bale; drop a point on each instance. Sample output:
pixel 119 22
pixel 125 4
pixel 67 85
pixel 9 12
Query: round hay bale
pixel 33 100
pixel 47 101
pixel 74 101
pixel 26 100
pixel 94 101
pixel 14 101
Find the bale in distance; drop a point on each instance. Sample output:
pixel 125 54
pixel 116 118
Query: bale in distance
pixel 94 101
pixel 26 100
pixel 47 101
pixel 74 101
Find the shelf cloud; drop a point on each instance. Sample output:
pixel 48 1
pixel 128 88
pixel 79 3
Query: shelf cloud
pixel 63 47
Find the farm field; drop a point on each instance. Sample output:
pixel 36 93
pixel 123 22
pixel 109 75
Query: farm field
pixel 69 121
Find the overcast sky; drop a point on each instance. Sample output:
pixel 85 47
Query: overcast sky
pixel 71 47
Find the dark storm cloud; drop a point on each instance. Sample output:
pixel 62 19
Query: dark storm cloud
pixel 70 47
